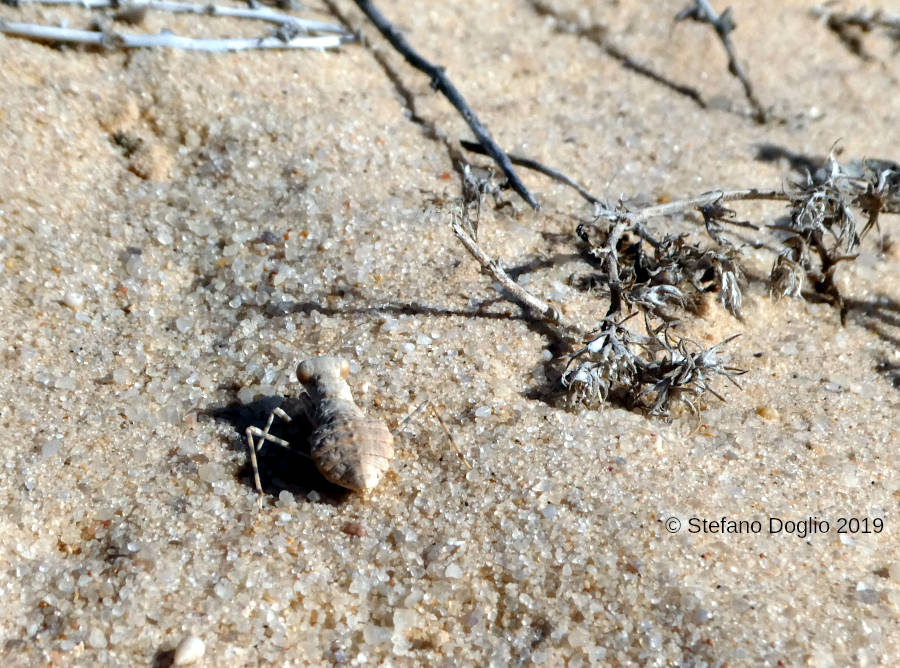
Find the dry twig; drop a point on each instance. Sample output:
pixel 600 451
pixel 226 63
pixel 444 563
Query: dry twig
pixel 292 32
pixel 440 82
pixel 706 199
pixel 257 13
pixel 723 23
pixel 113 40
pixel 537 306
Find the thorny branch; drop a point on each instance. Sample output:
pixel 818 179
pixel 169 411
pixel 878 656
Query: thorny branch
pixel 723 24
pixel 649 371
pixel 638 368
pixel 442 83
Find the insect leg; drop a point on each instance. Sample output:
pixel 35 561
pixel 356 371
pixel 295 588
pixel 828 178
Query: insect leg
pixel 447 432
pixel 259 491
pixel 264 436
pixel 428 403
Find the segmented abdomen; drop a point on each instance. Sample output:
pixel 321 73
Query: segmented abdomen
pixel 350 449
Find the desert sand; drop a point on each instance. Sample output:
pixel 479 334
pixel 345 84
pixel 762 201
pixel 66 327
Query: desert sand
pixel 178 230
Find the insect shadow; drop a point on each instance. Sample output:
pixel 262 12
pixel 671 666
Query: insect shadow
pixel 280 468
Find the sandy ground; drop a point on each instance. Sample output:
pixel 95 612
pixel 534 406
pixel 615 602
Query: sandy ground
pixel 178 230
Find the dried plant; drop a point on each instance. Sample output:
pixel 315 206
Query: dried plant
pixel 648 371
pixel 650 367
pixel 822 223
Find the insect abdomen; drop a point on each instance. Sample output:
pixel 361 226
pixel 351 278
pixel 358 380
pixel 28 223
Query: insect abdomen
pixel 349 449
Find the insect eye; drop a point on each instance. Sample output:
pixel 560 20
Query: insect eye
pixel 304 372
pixel 345 368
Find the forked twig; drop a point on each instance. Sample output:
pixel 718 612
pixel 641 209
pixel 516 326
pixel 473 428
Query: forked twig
pixel 440 82
pixel 723 24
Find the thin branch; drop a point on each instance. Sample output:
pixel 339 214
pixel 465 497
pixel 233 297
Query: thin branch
pixel 440 81
pixel 703 12
pixel 671 208
pixel 113 40
pixel 260 13
pixel 528 163
pixel 429 128
pixel 537 306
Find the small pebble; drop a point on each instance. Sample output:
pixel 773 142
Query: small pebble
pixel 404 618
pixel 702 616
pixel 184 324
pixel 767 413
pixel 390 325
pixel 354 529
pixel 453 572
pixel 285 498
pixel 190 650
pixel 65 383
pixel 96 639
pixel 73 300
pixel 51 448
pixel 164 236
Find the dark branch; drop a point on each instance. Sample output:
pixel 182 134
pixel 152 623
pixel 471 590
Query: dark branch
pixel 440 82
